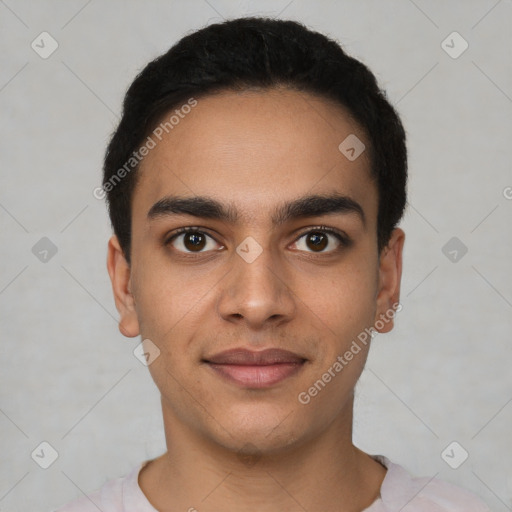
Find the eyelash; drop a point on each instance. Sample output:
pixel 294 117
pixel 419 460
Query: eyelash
pixel 344 240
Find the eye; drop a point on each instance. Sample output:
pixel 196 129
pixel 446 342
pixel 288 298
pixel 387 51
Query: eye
pixel 192 240
pixel 321 238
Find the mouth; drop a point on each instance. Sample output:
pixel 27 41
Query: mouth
pixel 256 370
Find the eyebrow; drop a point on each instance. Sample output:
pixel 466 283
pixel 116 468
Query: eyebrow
pixel 208 208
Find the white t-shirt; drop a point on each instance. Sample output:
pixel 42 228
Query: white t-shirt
pixel 399 492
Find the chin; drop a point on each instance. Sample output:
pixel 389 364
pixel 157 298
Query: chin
pixel 261 432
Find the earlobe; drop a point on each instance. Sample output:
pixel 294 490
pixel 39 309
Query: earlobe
pixel 120 277
pixel 390 274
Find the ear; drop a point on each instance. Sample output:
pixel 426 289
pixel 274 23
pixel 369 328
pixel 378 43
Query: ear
pixel 120 276
pixel 390 274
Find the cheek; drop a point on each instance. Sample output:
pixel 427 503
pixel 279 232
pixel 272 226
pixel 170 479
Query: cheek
pixel 166 296
pixel 344 301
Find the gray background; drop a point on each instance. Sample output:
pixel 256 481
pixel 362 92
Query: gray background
pixel 69 378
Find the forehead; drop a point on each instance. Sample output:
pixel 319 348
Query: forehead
pixel 254 149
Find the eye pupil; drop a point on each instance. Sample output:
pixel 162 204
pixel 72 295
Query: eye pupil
pixel 319 241
pixel 196 240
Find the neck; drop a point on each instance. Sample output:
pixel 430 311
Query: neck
pixel 324 473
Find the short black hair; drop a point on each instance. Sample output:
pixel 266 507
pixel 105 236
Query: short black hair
pixel 261 52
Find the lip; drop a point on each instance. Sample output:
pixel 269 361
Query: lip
pixel 256 370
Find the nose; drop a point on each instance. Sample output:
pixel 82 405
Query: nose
pixel 257 292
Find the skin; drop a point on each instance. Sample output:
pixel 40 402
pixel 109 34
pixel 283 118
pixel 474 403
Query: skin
pixel 228 447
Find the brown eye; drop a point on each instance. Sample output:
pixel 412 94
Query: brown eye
pixel 192 240
pixel 321 240
pixel 316 241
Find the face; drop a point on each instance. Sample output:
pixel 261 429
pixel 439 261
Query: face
pixel 276 277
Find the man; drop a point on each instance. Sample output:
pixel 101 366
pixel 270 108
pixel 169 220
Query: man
pixel 255 183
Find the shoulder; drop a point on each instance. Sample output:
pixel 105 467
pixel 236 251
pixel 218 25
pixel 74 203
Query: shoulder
pixel 110 497
pixel 402 491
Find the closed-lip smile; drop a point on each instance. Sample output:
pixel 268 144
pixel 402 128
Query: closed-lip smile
pixel 255 369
